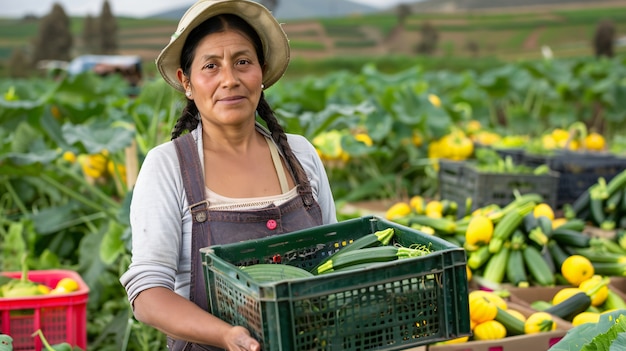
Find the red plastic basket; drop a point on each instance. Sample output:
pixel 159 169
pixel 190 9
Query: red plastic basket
pixel 61 318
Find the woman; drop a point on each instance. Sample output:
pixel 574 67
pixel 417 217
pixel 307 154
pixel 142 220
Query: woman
pixel 254 182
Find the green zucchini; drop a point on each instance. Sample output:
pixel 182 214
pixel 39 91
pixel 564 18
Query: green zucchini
pixel 570 307
pixel 577 303
pixel 613 301
pixel 529 223
pixel 537 266
pixel 271 272
pixel 545 224
pixel 568 237
pixel 379 238
pixel 540 305
pixel 342 259
pixel 616 183
pixel 620 237
pixel 576 224
pixel 609 268
pixel 479 257
pixel 557 253
pixel 496 266
pixel 612 203
pixel 513 325
pixel 581 203
pixel 515 269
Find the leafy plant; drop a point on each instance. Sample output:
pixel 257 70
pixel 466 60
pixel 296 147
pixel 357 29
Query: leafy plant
pixel 607 334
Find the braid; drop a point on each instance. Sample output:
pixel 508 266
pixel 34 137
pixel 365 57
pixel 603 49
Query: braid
pixel 280 138
pixel 187 121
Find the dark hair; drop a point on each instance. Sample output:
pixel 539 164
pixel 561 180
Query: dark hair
pixel 189 118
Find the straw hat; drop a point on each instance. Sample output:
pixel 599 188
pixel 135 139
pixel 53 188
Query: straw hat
pixel 274 39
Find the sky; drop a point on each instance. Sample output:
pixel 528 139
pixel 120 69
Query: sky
pixel 133 8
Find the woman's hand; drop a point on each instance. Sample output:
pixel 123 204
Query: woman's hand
pixel 239 339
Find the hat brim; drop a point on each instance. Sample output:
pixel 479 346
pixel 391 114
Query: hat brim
pixel 275 43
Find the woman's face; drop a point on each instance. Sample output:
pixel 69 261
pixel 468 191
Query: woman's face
pixel 225 80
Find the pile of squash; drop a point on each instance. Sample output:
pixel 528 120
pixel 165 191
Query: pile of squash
pixel 492 318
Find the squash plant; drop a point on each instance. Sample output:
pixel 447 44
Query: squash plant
pixel 607 334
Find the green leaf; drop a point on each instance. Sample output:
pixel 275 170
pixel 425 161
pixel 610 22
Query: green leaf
pixel 98 136
pixel 593 336
pixel 112 245
pixel 51 219
pixel 619 343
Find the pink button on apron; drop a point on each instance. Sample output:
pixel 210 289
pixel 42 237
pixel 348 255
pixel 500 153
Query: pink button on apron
pixel 271 224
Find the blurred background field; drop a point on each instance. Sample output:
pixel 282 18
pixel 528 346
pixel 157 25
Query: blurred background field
pixel 472 35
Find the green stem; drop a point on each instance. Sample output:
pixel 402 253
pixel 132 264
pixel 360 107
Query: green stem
pixel 76 196
pixel 43 340
pixel 97 192
pixel 84 219
pixel 16 198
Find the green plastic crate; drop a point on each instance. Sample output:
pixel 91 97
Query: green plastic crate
pixel 393 306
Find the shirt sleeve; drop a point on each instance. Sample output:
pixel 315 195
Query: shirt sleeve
pixel 157 219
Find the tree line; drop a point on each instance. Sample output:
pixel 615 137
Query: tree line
pixel 55 41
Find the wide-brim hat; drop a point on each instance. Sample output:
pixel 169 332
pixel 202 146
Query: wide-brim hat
pixel 273 37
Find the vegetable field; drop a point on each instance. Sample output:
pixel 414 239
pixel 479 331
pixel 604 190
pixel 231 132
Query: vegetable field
pixel 71 147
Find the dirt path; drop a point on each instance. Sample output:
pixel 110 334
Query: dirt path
pixel 532 40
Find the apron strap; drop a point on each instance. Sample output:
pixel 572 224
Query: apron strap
pixel 278 165
pixel 193 181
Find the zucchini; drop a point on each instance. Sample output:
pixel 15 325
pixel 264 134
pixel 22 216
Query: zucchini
pixel 538 237
pixel 273 272
pixel 513 325
pixel 613 301
pixel 545 224
pixel 529 223
pixel 572 238
pixel 612 203
pixel 575 224
pixel 570 307
pixel 440 225
pixel 581 203
pixel 596 202
pixel 507 225
pixel 379 238
pixel 537 266
pixel 616 183
pixel 557 253
pixel 540 305
pixel 609 269
pixel 479 257
pixel 496 266
pixel 577 303
pixel 515 269
pixel 596 208
pixel 547 258
pixel 601 256
pixel 342 259
pixel 620 237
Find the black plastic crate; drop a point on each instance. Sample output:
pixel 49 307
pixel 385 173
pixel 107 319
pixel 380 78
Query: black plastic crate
pixel 516 154
pixel 459 180
pixel 392 306
pixel 577 170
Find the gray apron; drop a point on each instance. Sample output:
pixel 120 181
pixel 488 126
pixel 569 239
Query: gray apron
pixel 222 227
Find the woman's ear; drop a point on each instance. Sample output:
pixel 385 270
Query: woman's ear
pixel 182 78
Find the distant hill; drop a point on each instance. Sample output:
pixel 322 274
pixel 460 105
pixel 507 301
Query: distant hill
pixel 295 9
pixel 481 5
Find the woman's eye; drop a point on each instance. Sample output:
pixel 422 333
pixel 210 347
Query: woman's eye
pixel 209 66
pixel 243 62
